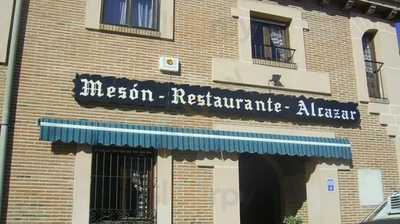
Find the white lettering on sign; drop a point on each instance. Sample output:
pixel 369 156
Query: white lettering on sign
pixel 312 110
pixel 192 98
pixel 92 88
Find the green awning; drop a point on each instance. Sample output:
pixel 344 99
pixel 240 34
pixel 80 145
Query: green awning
pixel 188 139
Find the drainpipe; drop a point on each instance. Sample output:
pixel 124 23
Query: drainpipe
pixel 8 90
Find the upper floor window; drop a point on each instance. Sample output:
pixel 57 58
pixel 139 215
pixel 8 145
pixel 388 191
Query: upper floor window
pixel 372 66
pixel 270 41
pixel 131 13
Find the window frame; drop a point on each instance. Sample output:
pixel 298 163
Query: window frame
pixel 129 17
pixel 375 85
pixel 370 37
pixel 150 217
pixel 286 39
pixel 277 23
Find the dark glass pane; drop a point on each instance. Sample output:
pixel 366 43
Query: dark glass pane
pixel 269 41
pixel 371 66
pixel 367 42
pixel 115 12
pixel 144 13
pixel 257 39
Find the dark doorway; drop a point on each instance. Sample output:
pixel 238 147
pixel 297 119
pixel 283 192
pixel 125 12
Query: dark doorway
pixel 260 200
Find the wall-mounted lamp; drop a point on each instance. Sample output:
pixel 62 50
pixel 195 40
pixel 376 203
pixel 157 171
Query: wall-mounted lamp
pixel 275 80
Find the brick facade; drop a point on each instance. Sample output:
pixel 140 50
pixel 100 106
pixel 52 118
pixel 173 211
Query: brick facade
pixel 57 45
pixel 193 190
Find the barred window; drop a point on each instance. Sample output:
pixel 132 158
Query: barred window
pixel 372 66
pixel 131 13
pixel 270 41
pixel 122 189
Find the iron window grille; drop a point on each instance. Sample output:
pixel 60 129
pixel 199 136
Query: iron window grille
pixel 372 67
pixel 143 14
pixel 270 41
pixel 374 79
pixel 122 189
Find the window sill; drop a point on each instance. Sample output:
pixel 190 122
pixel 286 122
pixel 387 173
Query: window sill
pixel 130 30
pixel 274 63
pixel 379 100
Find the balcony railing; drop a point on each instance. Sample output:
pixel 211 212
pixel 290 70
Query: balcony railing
pixel 273 53
pixel 374 79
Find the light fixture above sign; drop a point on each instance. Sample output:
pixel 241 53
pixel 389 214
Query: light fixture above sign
pixel 169 64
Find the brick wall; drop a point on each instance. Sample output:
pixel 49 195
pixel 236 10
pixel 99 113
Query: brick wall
pixel 57 45
pixel 193 193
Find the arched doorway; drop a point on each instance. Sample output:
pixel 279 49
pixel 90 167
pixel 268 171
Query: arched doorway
pixel 260 197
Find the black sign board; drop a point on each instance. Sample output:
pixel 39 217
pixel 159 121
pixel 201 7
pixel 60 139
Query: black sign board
pixel 189 99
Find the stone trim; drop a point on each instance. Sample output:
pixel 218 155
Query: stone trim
pixel 83 171
pixel 244 73
pixel 295 29
pixel 166 29
pixel 164 187
pixel 6 12
pixel 129 30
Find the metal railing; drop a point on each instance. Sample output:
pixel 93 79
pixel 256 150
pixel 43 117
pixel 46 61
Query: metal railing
pixel 374 79
pixel 122 187
pixel 273 53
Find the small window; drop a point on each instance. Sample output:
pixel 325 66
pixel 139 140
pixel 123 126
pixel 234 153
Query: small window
pixel 131 13
pixel 372 66
pixel 270 41
pixel 122 187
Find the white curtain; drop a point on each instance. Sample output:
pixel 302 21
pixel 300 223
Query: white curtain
pixel 277 36
pixel 143 13
pixel 123 8
pixel 278 40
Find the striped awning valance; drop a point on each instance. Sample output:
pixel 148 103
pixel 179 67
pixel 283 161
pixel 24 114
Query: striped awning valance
pixel 188 139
